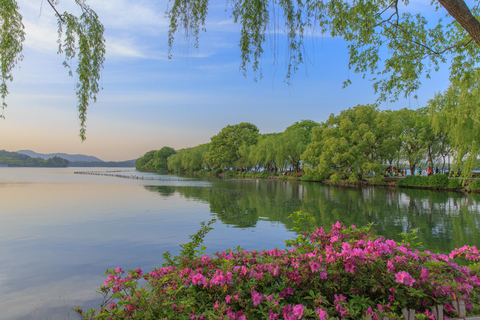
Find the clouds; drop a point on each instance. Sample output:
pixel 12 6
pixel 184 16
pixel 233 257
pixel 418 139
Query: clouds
pixel 149 101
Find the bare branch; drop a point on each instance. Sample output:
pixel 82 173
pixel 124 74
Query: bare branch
pixel 55 9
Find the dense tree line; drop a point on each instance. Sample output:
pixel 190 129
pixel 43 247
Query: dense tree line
pixel 13 159
pixel 360 140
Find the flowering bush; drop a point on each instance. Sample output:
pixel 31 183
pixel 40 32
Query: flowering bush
pixel 346 273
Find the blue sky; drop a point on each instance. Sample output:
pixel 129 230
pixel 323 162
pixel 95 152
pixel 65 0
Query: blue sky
pixel 148 101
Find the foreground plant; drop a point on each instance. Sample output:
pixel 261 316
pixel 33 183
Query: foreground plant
pixel 347 273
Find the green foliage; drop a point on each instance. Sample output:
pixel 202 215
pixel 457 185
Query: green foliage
pixel 456 113
pixel 192 249
pixel 358 139
pixel 294 141
pixel 303 225
pixel 315 175
pixel 474 185
pixel 14 159
pixel 409 239
pixel 12 35
pixel 438 181
pixel 353 178
pixel 414 181
pixel 434 181
pixel 347 272
pixel 78 37
pixel 377 180
pixel 82 37
pixel 217 171
pixel 336 177
pixel 225 149
pixel 395 46
pixel 455 183
pixel 157 160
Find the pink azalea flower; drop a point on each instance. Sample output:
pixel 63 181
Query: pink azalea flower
pixel 405 278
pixel 257 298
pixel 298 311
pixel 350 267
pixel 322 315
pixel 314 266
pixel 198 279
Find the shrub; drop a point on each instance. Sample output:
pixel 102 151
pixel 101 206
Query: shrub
pixel 474 185
pixel 454 183
pixel 265 174
pixel 230 173
pixel 353 178
pixel 377 180
pixel 414 181
pixel 315 175
pixel 336 177
pixel 438 180
pixel 217 171
pixel 347 273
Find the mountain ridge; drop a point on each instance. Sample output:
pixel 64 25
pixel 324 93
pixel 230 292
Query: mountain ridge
pixel 69 157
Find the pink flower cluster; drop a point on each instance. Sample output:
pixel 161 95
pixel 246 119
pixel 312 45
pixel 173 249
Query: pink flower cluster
pixel 322 277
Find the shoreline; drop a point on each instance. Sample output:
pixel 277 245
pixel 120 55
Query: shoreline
pixel 389 183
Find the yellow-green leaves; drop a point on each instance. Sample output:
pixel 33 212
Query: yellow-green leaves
pixel 11 43
pixel 82 37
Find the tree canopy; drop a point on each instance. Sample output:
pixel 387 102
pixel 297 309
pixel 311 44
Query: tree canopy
pixel 395 43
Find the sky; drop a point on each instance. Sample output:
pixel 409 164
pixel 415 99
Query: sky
pixel 148 101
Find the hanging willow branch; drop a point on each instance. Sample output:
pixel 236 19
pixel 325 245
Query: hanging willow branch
pixel 12 35
pixel 82 37
pixel 79 37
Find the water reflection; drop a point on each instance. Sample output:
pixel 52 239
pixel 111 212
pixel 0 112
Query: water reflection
pixel 59 232
pixel 446 220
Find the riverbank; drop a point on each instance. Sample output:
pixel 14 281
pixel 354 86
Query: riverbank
pixel 438 182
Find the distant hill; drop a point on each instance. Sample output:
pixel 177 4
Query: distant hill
pixel 15 159
pixel 69 157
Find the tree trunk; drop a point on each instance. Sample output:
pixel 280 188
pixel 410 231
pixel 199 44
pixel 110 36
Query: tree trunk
pixel 460 12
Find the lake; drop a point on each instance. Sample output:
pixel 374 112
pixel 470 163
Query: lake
pixel 60 231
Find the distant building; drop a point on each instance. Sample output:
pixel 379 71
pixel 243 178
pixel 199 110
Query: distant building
pixel 3 165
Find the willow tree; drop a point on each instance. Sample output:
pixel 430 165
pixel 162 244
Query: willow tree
pixel 457 113
pixel 391 41
pixel 80 40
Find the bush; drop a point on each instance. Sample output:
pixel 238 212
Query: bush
pixel 438 180
pixel 414 181
pixel 353 178
pixel 217 171
pixel 346 273
pixel 454 183
pixel 336 177
pixel 265 174
pixel 474 185
pixel 377 180
pixel 315 175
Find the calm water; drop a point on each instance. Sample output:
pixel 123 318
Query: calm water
pixel 60 231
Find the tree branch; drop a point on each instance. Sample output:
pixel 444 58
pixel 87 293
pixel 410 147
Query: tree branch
pixel 55 9
pixel 462 14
